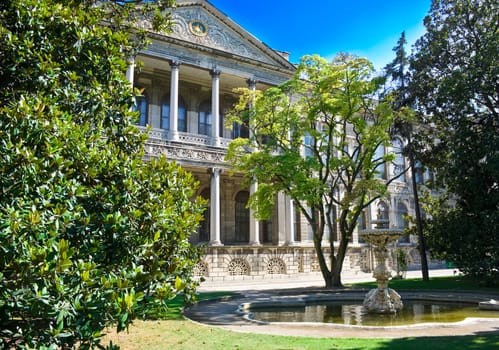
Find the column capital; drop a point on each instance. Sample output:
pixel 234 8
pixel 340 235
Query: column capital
pixel 216 170
pixel 215 73
pixel 251 83
pixel 175 63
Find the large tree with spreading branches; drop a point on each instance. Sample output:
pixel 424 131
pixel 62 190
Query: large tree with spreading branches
pixel 317 138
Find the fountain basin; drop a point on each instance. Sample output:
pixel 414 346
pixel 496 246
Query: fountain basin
pixel 234 314
pixel 353 313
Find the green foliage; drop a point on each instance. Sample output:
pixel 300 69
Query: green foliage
pixel 88 231
pixel 454 80
pixel 315 138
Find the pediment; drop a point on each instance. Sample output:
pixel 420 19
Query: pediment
pixel 200 23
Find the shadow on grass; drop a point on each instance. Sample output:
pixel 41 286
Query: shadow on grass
pixel 479 341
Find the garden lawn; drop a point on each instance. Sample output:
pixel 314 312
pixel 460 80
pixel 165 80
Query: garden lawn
pixel 186 335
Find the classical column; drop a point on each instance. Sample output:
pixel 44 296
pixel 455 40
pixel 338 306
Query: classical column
pixel 174 100
pixel 215 106
pixel 290 221
pixel 254 227
pixel 254 224
pixel 215 208
pixel 251 84
pixel 130 71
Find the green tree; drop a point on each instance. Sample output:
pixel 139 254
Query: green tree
pixel 317 139
pixel 89 232
pixel 454 81
pixel 397 74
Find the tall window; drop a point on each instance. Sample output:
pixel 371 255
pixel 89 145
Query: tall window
pixel 419 173
pixel 362 224
pixel 242 217
pixel 382 213
pixel 402 221
pixel 297 223
pixel 381 168
pixel 165 114
pixel 239 130
pixel 205 120
pixel 204 225
pixel 308 143
pixel 266 231
pixel 399 161
pixel 141 106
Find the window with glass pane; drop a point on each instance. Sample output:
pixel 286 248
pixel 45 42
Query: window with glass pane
pixel 204 123
pixel 239 130
pixel 297 223
pixel 381 168
pixel 141 106
pixel 242 217
pixel 419 173
pixel 382 213
pixel 398 162
pixel 165 113
pixel 181 115
pixel 308 142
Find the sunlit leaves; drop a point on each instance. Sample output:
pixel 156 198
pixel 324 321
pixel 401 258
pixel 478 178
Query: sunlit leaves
pixel 314 138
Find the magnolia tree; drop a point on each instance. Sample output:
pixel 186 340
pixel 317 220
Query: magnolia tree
pixel 89 232
pixel 318 139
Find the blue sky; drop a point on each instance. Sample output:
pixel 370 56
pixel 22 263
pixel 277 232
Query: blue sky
pixel 367 28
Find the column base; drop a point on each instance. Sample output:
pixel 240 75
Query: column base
pixel 254 244
pixel 215 244
pixel 173 135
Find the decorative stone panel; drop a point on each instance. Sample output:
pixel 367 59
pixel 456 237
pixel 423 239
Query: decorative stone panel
pixel 300 260
pixel 314 265
pixel 276 266
pixel 238 267
pixel 201 269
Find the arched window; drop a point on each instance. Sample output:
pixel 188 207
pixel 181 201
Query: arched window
pixel 383 214
pixel 141 106
pixel 204 225
pixel 399 161
pixel 181 114
pixel 242 216
pixel 205 120
pixel 381 168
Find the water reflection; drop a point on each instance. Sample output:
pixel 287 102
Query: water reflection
pixel 356 314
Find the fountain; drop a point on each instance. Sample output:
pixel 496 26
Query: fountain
pixel 381 300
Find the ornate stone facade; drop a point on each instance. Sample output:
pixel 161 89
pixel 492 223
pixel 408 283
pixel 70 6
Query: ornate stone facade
pixel 187 79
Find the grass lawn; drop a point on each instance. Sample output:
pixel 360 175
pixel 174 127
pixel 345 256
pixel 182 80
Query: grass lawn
pixel 174 332
pixel 435 283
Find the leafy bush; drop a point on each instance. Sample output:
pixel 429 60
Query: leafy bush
pixel 88 230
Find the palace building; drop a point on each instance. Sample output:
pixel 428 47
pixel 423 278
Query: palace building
pixel 188 78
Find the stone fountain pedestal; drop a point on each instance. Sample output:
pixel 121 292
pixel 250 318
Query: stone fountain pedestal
pixel 382 300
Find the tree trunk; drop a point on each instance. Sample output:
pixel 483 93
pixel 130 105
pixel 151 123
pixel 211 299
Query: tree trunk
pixel 419 221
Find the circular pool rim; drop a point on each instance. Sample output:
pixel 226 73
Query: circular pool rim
pixel 302 300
